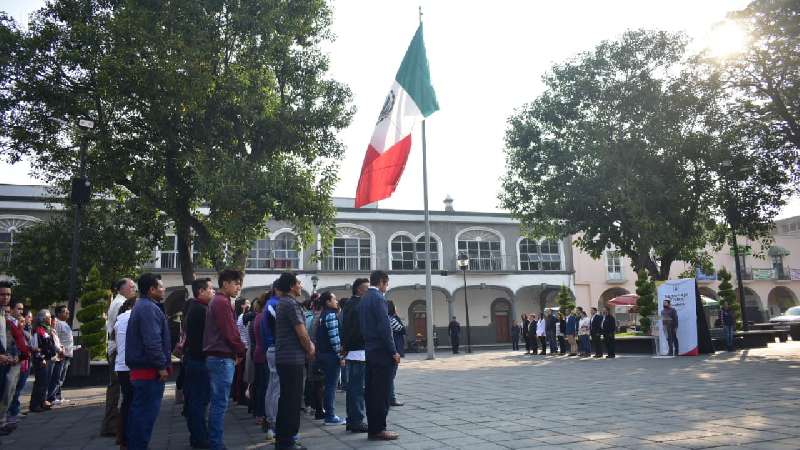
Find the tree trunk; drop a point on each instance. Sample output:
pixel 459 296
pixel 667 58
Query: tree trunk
pixel 184 235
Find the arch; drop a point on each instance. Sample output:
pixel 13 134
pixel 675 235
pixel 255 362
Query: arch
pixel 607 295
pixel 411 241
pixel 708 292
pixel 448 297
pixel 282 256
pixel 479 234
pixel 440 251
pixel 540 261
pixel 10 224
pixel 754 308
pixel 780 299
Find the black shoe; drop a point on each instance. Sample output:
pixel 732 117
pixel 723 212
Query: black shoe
pixel 360 428
pixel 611 356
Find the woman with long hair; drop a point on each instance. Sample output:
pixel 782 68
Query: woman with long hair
pixel 329 348
pixel 44 349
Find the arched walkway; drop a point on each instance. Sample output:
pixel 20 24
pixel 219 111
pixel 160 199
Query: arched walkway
pixel 754 309
pixel 607 295
pixel 780 299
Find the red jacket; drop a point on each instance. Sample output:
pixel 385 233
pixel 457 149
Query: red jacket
pixel 221 337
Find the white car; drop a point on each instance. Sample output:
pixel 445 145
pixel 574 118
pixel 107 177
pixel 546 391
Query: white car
pixel 791 316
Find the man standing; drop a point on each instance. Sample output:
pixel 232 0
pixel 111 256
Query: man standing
pixel 670 324
pixel 355 357
pixel 609 328
pixel 273 384
pixel 381 355
pixel 16 351
pixel 572 333
pixel 147 354
pixel 595 329
pixel 60 368
pixel 525 326
pixel 125 289
pixel 196 390
pixel 454 330
pixel 550 330
pixel 292 347
pixel 728 325
pixel 223 347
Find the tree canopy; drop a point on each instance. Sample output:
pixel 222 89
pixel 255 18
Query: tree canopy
pixel 630 147
pixel 216 115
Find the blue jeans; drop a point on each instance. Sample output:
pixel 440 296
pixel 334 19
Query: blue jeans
pixel 585 347
pixel 60 369
pixel 329 362
pixel 196 395
pixel 146 404
pixel 13 407
pixel 729 331
pixel 392 397
pixel 220 374
pixel 356 409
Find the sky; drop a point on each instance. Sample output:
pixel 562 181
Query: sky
pixel 486 60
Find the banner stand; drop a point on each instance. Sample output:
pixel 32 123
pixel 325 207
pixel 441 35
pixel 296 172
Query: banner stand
pixel 656 335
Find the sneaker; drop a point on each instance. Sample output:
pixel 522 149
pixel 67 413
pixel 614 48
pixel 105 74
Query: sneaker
pixel 335 420
pixel 270 435
pixel 57 402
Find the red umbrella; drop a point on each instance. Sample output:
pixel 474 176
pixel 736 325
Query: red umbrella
pixel 624 300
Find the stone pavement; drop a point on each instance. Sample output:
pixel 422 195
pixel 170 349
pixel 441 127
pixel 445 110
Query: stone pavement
pixel 503 399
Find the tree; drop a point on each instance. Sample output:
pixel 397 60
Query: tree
pixel 626 149
pixel 645 289
pixel 94 302
pixel 727 295
pixel 565 301
pixel 216 114
pixel 41 258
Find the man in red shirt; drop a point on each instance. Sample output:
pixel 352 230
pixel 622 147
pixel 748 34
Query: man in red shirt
pixel 223 347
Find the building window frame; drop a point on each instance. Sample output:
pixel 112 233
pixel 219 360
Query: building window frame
pixel 482 258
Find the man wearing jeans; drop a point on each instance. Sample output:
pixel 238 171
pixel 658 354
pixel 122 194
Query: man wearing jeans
pixel 147 354
pixel 292 348
pixel 196 390
pixel 273 385
pixel 353 347
pixel 60 368
pixel 728 325
pixel 223 348
pixel 670 324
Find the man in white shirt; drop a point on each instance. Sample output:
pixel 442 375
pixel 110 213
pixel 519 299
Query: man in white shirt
pixel 125 289
pixel 60 367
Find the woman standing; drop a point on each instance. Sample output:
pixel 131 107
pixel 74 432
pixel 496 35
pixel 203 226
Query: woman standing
pixel 261 374
pixel 25 321
pixel 583 334
pixel 399 335
pixel 541 334
pixel 515 332
pixel 329 347
pixel 45 350
pixel 123 372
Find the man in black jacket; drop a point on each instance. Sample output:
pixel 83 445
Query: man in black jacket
pixel 550 331
pixel 196 387
pixel 609 327
pixel 454 330
pixel 525 325
pixel 595 329
pixel 353 349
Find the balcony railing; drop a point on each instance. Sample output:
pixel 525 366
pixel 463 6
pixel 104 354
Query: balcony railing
pixel 772 273
pixel 615 277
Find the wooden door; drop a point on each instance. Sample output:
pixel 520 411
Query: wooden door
pixel 420 325
pixel 501 320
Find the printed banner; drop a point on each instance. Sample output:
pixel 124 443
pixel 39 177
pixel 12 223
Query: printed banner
pixel 681 293
pixel 794 274
pixel 763 274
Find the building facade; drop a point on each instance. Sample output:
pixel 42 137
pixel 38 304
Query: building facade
pixel 508 274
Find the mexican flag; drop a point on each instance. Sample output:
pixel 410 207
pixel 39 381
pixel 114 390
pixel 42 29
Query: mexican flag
pixel 410 99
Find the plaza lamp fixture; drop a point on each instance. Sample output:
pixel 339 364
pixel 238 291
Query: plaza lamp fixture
pixel 463 264
pixel 314 281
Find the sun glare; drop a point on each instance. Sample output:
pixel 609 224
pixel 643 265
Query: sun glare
pixel 726 39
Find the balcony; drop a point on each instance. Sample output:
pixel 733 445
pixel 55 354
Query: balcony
pixel 615 278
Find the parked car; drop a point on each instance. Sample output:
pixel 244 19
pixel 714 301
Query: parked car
pixel 791 318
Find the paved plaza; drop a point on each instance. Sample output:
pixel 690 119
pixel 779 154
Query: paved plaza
pixel 503 399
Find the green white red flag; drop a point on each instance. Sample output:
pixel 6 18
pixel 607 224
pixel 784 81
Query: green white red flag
pixel 410 99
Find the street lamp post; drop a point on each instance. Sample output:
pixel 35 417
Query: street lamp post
pixel 463 264
pixel 79 196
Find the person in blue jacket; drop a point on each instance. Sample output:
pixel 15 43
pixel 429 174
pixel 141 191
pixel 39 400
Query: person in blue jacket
pixel 572 333
pixel 147 354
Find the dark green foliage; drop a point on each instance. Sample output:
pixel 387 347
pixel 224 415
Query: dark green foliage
pixel 93 302
pixel 565 300
pixel 217 103
pixel 727 294
pixel 645 289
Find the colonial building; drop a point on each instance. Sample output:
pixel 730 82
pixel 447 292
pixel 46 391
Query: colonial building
pixel 508 274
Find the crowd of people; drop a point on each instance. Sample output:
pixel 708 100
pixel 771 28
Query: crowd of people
pixel 279 355
pixel 570 333
pixel 41 346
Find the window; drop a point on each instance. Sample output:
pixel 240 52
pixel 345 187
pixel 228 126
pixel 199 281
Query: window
pixel 613 265
pixel 284 253
pixel 529 258
pixel 483 249
pixel 551 256
pixel 420 253
pixel 279 253
pixel 6 242
pixel 403 253
pixel 9 227
pixel 169 253
pixel 351 251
